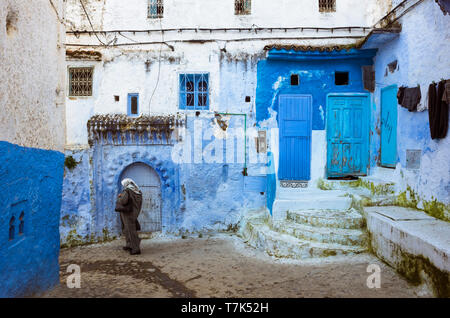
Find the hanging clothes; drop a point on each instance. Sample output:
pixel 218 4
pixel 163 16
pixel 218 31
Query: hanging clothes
pixel 446 96
pixel 443 116
pixel 438 110
pixel 411 98
pixel 432 96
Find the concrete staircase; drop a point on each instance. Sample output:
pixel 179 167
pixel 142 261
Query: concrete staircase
pixel 307 223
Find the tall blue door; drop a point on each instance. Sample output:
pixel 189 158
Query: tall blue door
pixel 389 126
pixel 347 135
pixel 295 118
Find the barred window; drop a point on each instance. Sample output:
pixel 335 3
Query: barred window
pixel 327 5
pixel 242 7
pixel 156 9
pixel 194 91
pixel 80 81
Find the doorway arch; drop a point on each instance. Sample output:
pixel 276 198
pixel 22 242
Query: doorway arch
pixel 148 180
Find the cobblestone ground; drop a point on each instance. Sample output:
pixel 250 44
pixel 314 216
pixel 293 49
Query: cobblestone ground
pixel 220 265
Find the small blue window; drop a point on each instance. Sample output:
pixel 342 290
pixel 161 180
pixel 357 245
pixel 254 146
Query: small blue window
pixel 194 91
pixel 133 105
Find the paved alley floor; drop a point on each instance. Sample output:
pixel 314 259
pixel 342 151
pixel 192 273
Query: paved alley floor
pixel 220 265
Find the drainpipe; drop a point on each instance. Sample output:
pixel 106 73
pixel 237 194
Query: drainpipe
pixel 244 172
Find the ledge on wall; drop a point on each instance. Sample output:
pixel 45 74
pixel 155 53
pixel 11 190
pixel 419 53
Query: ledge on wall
pixel 407 240
pixel 379 37
pixel 83 55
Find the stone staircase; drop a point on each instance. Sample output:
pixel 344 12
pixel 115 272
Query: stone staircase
pixel 307 223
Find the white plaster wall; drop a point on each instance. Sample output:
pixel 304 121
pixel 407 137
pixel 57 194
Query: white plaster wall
pixel 132 14
pixel 32 72
pixel 422 51
pixel 123 69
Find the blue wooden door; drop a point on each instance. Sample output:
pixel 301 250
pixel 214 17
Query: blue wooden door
pixel 295 121
pixel 347 136
pixel 389 126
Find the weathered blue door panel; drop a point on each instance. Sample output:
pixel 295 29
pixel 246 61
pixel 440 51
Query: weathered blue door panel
pixel 389 126
pixel 347 135
pixel 295 121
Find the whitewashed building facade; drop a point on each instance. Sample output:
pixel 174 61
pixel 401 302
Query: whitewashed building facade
pixel 156 90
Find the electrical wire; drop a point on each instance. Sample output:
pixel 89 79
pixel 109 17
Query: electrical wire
pixel 224 40
pixel 57 14
pixel 92 27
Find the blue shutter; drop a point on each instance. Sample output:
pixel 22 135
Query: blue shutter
pixel 182 91
pixel 130 96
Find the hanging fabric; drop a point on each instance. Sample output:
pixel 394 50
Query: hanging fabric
pixel 438 110
pixel 443 118
pixel 432 96
pixel 411 98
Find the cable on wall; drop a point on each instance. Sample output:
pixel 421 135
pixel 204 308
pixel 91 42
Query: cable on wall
pixel 57 14
pixel 92 27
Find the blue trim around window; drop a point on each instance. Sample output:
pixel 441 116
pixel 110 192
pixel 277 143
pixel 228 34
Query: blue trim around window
pixel 130 96
pixel 194 91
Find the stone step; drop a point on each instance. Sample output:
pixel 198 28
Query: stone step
pixel 261 236
pixel 350 237
pixel 364 185
pixel 299 194
pixel 319 201
pixel 349 219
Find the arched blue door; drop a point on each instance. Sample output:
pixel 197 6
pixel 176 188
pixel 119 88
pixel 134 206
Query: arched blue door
pixel 148 180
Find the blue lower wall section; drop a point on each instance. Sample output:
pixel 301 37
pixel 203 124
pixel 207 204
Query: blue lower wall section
pixel 31 183
pixel 196 196
pixel 271 181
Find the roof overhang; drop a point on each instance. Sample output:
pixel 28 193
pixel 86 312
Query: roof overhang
pixel 292 53
pixel 379 37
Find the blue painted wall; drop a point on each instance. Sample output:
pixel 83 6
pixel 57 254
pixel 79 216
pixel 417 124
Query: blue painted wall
pixel 31 182
pixel 316 72
pixel 271 181
pixel 195 196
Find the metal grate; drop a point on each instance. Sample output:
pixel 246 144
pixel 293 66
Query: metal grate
pixel 242 7
pixel 327 5
pixel 81 81
pixel 156 9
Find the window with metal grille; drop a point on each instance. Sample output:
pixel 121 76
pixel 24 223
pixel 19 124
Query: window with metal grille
pixel 80 81
pixel 194 91
pixel 242 7
pixel 327 5
pixel 155 9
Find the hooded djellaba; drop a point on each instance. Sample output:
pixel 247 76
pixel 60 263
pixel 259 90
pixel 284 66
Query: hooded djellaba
pixel 129 204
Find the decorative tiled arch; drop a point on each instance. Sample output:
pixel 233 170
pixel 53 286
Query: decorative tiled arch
pixel 111 171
